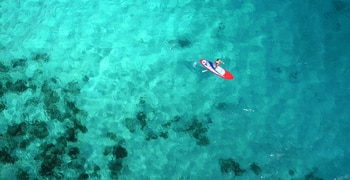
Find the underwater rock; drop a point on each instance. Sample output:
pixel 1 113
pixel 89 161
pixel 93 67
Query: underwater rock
pixel 3 68
pixel 77 164
pixel 115 167
pixel 17 129
pixel 229 165
pixel 108 150
pixel 166 125
pixel 32 85
pixel 62 141
pixel 54 80
pixel 96 171
pixel 34 101
pixel 196 127
pixel 198 131
pixel 111 136
pixel 120 152
pixel 180 43
pixel 51 97
pixel 18 87
pixel 164 135
pixel 83 176
pixel 45 88
pixel 71 106
pixel 19 63
pixel 25 142
pixel 255 168
pixel 311 175
pixel 71 135
pixel 221 106
pixel 54 113
pixel 221 26
pixel 219 31
pixel 184 43
pixel 203 141
pixel 85 79
pixel 56 149
pixel 73 152
pixel 177 118
pixel 80 126
pixel 48 165
pixel 339 5
pixel 39 130
pixel 293 76
pixel 151 135
pixel 291 172
pixel 2 90
pixel 6 157
pixel 21 174
pixel 141 117
pixel 73 88
pixel 41 57
pixel 277 69
pixel 51 158
pixel 142 101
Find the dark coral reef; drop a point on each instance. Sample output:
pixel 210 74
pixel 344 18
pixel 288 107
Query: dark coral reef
pixel 58 100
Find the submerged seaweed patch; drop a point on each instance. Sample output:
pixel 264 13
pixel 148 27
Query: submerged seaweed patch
pixel 230 166
pixel 312 176
pixel 22 174
pixel 73 152
pixel 180 43
pixel 130 124
pixel 151 135
pixel 3 68
pixel 17 129
pixel 43 57
pixel 339 5
pixel 39 130
pixel 198 130
pixel 118 153
pixel 6 156
pixel 19 63
pixel 183 42
pixel 58 102
pixel 255 168
pixel 18 87
pixel 141 117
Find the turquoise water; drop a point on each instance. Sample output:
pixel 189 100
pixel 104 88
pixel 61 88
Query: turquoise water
pixel 106 89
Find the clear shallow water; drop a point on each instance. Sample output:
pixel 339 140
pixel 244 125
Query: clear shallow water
pixel 107 89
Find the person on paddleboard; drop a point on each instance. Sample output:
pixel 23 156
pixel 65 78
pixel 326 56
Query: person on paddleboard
pixel 214 67
pixel 218 61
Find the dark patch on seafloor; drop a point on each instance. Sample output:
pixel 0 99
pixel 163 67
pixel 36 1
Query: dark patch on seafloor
pixel 52 95
pixel 255 168
pixel 117 153
pixel 194 127
pixel 180 43
pixel 311 175
pixel 231 166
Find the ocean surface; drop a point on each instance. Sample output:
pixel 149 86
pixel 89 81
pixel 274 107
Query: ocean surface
pixel 113 89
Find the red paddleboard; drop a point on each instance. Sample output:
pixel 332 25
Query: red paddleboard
pixel 218 70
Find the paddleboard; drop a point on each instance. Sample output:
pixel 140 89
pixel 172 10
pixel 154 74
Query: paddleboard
pixel 218 70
